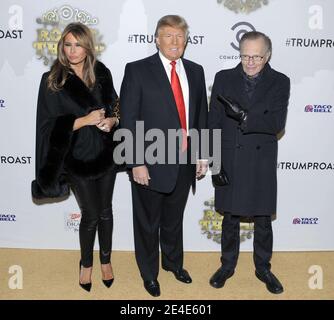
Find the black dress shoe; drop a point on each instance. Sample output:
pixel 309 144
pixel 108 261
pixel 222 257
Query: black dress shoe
pixel 181 275
pixel 85 286
pixel 220 276
pixel 272 283
pixel 152 287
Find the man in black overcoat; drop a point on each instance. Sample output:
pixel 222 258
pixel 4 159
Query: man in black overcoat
pixel 249 103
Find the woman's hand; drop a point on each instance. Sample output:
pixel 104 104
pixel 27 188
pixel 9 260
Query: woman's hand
pixel 95 117
pixel 107 124
pixel 91 119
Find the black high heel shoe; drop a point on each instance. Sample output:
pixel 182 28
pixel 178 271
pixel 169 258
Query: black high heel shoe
pixel 85 286
pixel 108 282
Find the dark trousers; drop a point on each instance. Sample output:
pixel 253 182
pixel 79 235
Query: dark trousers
pixel 158 218
pixel 94 197
pixel 263 241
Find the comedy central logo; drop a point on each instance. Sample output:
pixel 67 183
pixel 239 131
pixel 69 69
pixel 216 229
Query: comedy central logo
pixel 211 224
pixel 239 29
pixel 53 23
pixel 243 6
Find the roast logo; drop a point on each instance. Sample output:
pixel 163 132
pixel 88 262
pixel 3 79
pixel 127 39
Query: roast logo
pixel 11 34
pixel 149 38
pixel 305 165
pixel 15 23
pixel 53 23
pixel 243 6
pixel 211 224
pixel 2 103
pixel 5 159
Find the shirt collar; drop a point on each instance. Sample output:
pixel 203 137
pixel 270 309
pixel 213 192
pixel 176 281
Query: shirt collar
pixel 166 62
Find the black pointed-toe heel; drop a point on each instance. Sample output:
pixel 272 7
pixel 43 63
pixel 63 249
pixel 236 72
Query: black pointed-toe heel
pixel 108 283
pixel 85 286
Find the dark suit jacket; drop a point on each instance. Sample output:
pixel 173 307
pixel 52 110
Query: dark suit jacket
pixel 249 155
pixel 146 95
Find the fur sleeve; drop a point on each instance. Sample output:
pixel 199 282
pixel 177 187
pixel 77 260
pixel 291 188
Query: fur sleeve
pixel 49 182
pixel 53 139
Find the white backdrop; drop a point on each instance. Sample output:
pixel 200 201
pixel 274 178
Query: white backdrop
pixel 302 32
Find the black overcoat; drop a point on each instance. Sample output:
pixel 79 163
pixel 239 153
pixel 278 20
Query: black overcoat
pixel 249 153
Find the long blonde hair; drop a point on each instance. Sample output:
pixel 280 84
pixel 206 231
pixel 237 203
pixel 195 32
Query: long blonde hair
pixel 61 68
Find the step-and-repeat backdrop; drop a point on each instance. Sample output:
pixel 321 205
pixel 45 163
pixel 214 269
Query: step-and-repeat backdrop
pixel 303 48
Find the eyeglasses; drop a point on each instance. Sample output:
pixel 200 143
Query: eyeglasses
pixel 246 58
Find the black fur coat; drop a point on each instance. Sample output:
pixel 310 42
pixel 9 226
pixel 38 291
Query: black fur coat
pixel 57 143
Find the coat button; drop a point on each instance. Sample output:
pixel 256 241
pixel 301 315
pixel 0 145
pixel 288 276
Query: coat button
pixel 258 147
pixel 239 146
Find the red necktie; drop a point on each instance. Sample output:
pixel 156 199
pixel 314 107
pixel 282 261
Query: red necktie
pixel 178 96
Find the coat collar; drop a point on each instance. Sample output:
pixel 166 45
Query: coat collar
pixel 83 96
pixel 264 83
pixel 262 86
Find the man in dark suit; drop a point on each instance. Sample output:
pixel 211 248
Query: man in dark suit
pixel 168 93
pixel 249 103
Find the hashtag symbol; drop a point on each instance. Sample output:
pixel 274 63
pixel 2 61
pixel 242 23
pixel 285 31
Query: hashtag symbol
pixel 287 42
pixel 130 38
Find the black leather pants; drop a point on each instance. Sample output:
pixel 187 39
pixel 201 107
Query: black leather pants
pixel 94 198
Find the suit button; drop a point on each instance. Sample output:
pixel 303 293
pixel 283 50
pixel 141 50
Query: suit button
pixel 258 147
pixel 239 146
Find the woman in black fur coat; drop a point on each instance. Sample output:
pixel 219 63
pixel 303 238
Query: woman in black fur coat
pixel 76 113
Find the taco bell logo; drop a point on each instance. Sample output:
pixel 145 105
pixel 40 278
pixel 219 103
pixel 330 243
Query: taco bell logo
pixel 323 108
pixel 309 108
pixel 8 217
pixel 2 103
pixel 298 220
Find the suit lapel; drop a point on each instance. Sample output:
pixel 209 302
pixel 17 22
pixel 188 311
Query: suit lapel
pixel 192 93
pixel 162 80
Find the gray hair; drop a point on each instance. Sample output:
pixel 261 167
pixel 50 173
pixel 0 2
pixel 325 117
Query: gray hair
pixel 254 35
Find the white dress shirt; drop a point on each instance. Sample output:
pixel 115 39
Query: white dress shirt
pixel 181 72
